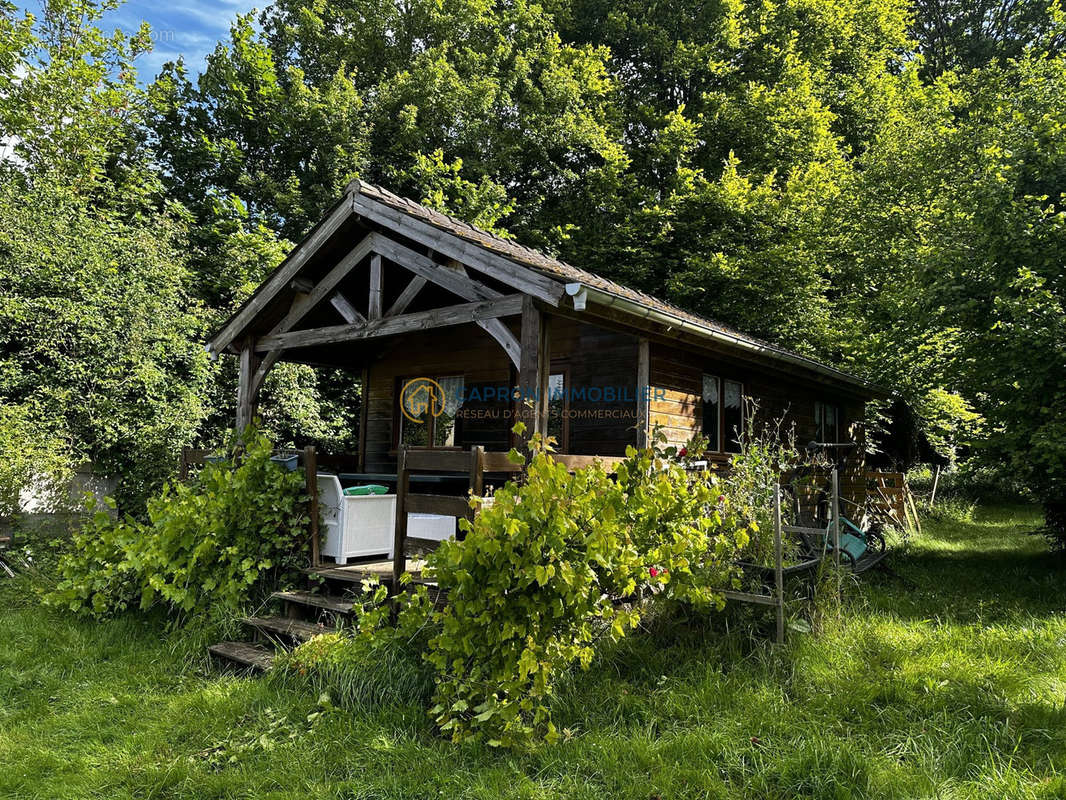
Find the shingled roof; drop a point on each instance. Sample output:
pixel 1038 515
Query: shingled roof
pixel 560 270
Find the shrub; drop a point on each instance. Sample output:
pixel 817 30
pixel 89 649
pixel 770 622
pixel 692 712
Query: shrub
pixel 215 544
pixel 557 562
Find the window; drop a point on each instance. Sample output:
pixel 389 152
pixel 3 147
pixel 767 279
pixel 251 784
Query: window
pixel 435 404
pixel 733 415
pixel 444 425
pixel 558 424
pixel 723 414
pixel 826 422
pixel 712 411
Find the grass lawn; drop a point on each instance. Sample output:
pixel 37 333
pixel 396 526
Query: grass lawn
pixel 948 681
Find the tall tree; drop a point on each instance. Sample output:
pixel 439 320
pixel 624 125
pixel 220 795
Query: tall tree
pixel 740 122
pixel 964 34
pixel 98 333
pixel 955 231
pixel 478 109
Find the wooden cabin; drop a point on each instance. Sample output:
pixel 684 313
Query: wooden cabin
pixel 446 323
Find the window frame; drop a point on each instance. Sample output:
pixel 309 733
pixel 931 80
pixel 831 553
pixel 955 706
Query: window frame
pixel 820 407
pixel 726 442
pixel 719 447
pixel 431 423
pixel 712 447
pixel 563 446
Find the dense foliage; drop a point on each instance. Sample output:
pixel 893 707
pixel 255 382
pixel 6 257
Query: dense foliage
pixel 878 184
pixel 550 567
pixel 543 572
pixel 103 305
pixel 208 547
pixel 97 332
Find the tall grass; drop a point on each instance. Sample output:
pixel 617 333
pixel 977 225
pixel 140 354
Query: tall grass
pixel 947 681
pixel 357 672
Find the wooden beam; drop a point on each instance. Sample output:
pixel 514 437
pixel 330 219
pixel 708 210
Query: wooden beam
pixel 346 309
pixel 533 370
pixel 281 277
pixel 446 278
pixel 643 396
pixel 325 287
pixel 503 336
pixel 494 328
pixel 473 255
pixel 364 415
pixel 406 296
pixel 245 395
pixel 311 484
pixel 399 539
pixel 779 573
pixel 374 307
pixel 268 362
pixel 392 326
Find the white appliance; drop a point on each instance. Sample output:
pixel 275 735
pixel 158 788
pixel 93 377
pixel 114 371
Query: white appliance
pixel 365 525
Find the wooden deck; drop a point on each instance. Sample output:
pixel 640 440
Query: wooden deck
pixel 357 573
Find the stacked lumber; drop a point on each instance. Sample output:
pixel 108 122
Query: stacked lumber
pixel 890 498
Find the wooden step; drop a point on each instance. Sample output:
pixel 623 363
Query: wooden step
pixel 323 601
pixel 245 654
pixel 286 626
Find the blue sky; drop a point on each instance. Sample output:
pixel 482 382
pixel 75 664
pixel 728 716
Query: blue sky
pixel 179 27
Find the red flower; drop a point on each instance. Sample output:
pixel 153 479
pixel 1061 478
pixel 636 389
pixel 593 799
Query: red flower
pixel 721 499
pixel 653 572
pixel 683 452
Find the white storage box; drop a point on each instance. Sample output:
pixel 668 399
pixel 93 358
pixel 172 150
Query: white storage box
pixel 355 527
pixel 430 526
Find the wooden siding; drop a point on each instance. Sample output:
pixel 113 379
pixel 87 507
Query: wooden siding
pixel 464 350
pixel 677 405
pixel 589 356
pixel 592 358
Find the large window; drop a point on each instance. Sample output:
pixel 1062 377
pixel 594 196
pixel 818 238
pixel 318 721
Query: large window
pixel 723 414
pixel 429 409
pixel 827 422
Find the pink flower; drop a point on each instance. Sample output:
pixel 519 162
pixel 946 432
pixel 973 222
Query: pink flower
pixel 653 572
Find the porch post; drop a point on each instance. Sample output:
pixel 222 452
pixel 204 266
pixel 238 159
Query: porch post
pixel 643 400
pixel 534 366
pixel 247 393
